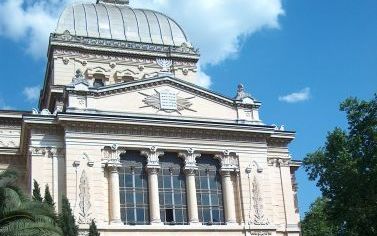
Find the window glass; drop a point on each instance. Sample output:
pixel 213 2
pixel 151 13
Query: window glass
pixel 172 189
pixel 209 191
pixel 133 187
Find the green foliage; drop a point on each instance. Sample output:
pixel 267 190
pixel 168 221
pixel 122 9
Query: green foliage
pixel 316 223
pixel 19 215
pixel 37 192
pixel 346 170
pixel 48 198
pixel 93 229
pixel 67 220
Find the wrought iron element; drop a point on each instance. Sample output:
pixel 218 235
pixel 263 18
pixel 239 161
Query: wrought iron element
pixel 167 101
pixel 84 215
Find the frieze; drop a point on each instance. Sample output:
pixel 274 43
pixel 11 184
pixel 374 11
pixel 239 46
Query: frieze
pixel 186 133
pixel 46 151
pixel 122 60
pixel 73 41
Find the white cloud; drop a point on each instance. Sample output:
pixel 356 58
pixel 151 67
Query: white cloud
pixel 216 27
pixel 300 96
pixel 31 93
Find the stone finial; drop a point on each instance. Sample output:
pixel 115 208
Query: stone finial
pixel 119 2
pixel 241 94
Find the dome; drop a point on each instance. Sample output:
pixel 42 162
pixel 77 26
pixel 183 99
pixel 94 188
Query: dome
pixel 119 21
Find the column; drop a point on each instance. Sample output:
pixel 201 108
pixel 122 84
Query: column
pixel 111 161
pixel 115 217
pixel 229 165
pixel 292 218
pixel 153 167
pixel 192 202
pixel 154 200
pixel 228 192
pixel 190 170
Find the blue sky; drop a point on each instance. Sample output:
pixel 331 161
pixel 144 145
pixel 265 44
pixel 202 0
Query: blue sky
pixel 324 51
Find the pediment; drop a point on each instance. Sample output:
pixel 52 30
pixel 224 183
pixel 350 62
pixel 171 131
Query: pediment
pixel 163 96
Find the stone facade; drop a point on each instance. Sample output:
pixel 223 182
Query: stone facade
pixel 103 98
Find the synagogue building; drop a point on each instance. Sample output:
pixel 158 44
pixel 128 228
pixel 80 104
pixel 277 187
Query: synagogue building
pixel 125 134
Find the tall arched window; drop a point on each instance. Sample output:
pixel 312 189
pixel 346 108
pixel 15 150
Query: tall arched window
pixel 209 191
pixel 133 189
pixel 172 189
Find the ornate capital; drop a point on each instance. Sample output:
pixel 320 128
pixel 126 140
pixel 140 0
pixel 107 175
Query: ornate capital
pixel 229 161
pixel 152 156
pixel 190 159
pixel 111 156
pixel 278 161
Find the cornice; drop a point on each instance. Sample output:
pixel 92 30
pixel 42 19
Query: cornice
pixel 119 46
pixel 157 81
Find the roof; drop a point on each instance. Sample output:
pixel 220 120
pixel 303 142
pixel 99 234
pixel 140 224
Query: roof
pixel 119 21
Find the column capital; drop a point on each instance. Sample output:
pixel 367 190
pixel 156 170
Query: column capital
pixel 111 156
pixel 152 154
pixel 228 160
pixel 189 157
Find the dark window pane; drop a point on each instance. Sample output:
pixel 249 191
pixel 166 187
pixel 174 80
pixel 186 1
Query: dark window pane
pixel 138 181
pixel 215 199
pixel 129 197
pixel 130 215
pixel 203 182
pixel 140 214
pixel 169 215
pixel 205 199
pixel 121 180
pixel 167 182
pixel 129 182
pixel 216 216
pixel 177 199
pixel 206 215
pixel 139 198
pixel 168 199
pixel 178 216
pixel 177 183
pixel 122 197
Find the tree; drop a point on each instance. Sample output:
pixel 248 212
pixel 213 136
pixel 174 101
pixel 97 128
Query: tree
pixel 67 220
pixel 316 223
pixel 19 215
pixel 48 198
pixel 37 192
pixel 346 170
pixel 93 229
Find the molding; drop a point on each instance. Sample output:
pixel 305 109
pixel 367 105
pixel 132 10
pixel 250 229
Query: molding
pixel 121 46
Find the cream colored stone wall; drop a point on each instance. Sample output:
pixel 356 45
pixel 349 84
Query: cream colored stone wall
pixel 66 64
pixel 132 102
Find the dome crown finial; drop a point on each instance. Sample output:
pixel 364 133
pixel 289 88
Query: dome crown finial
pixel 120 2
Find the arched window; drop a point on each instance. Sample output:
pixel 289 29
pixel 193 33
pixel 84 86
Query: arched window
pixel 209 191
pixel 133 187
pixel 172 189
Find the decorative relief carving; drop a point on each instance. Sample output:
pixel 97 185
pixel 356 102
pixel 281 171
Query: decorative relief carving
pixel 84 204
pixel 165 64
pixel 229 161
pixel 256 214
pixel 167 101
pixel 110 43
pixel 46 151
pixel 152 156
pixel 190 159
